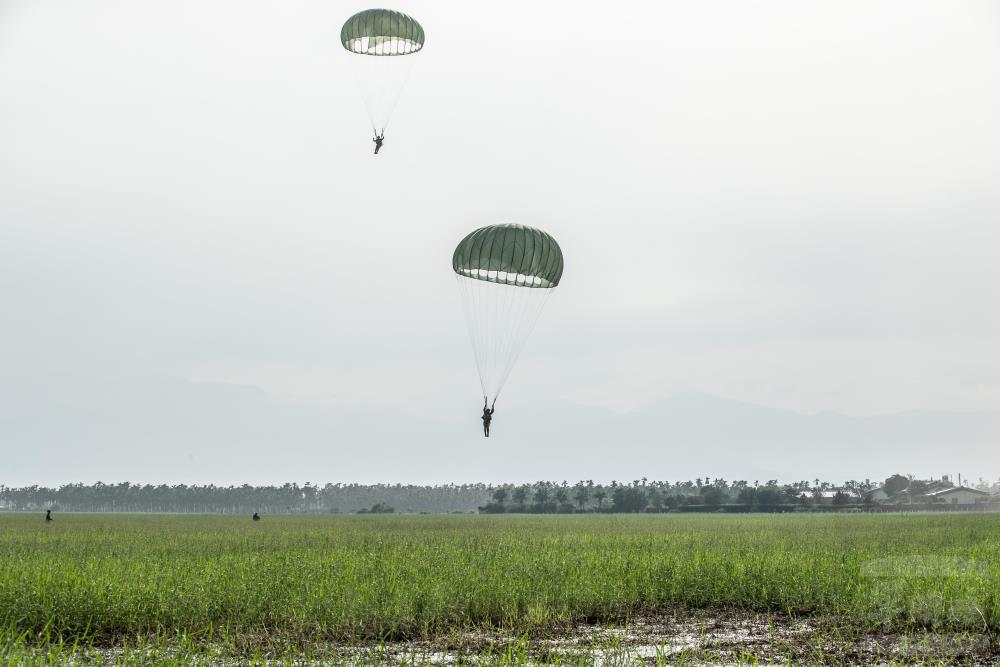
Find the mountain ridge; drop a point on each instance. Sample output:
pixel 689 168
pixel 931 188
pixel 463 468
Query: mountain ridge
pixel 163 428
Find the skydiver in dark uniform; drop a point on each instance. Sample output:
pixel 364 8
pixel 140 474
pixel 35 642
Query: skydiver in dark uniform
pixel 48 516
pixel 379 138
pixel 488 416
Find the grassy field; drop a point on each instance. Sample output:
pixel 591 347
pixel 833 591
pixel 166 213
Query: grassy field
pixel 112 578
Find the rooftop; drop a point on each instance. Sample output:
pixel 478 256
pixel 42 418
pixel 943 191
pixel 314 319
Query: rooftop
pixel 955 489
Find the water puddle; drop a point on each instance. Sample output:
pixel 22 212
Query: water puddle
pixel 719 640
pixel 703 640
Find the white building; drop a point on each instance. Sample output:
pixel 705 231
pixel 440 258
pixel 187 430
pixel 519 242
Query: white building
pixel 959 495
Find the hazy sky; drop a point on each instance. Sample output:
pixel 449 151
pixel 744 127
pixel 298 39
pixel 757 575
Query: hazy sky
pixel 788 203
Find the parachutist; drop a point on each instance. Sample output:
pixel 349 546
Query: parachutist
pixel 379 138
pixel 48 516
pixel 505 273
pixel 488 416
pixel 374 35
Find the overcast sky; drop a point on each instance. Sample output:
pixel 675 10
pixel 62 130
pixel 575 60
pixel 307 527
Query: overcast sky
pixel 792 204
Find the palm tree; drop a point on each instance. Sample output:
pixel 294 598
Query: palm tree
pixel 600 494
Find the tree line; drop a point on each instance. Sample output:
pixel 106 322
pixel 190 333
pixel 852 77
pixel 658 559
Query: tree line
pixel 640 495
pixel 289 498
pixel 643 495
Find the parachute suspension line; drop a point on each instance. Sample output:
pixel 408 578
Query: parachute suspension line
pixel 505 310
pixel 487 316
pixel 532 318
pixel 531 309
pixel 499 341
pixel 470 306
pixel 514 309
pixel 500 318
pixel 381 80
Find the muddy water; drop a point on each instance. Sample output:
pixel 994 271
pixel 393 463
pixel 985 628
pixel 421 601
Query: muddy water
pixel 705 640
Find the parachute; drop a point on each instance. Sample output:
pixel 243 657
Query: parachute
pixel 505 275
pixel 381 43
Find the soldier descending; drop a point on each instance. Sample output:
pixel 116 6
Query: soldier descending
pixel 488 416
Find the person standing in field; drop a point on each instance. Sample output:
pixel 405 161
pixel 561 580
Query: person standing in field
pixel 256 517
pixel 48 516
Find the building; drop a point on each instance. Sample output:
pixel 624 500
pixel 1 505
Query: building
pixel 827 497
pixel 918 491
pixel 959 495
pixel 877 495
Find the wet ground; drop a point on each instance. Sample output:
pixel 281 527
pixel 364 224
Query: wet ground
pixel 704 640
pixel 701 639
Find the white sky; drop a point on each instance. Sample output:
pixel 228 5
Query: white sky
pixel 789 203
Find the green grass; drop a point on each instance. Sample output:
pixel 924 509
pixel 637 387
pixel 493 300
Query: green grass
pixel 108 578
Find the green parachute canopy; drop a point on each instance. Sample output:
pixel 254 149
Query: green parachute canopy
pixel 382 32
pixel 510 255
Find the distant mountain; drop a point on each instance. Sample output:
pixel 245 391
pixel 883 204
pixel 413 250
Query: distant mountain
pixel 170 430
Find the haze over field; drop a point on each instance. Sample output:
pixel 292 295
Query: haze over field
pixel 162 431
pixel 206 277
